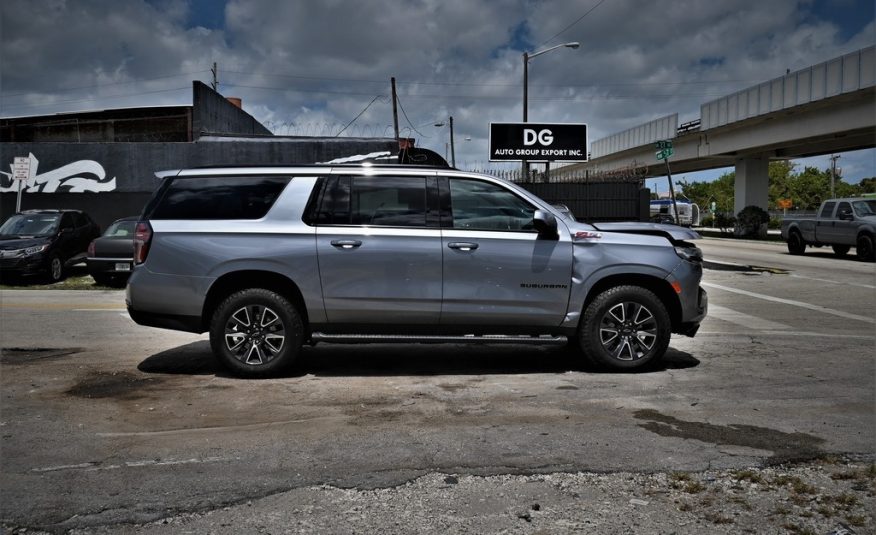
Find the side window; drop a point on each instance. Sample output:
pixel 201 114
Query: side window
pixel 843 206
pixel 827 210
pixel 219 197
pixel 374 201
pixel 478 205
pixel 79 220
pixel 67 221
pixel 389 201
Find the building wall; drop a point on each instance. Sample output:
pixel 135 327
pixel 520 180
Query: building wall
pixel 111 180
pixel 213 114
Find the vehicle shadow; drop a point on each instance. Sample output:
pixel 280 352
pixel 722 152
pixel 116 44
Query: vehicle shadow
pixel 391 360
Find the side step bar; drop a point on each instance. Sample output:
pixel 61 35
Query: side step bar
pixel 415 339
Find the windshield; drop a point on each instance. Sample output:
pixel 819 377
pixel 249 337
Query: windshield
pixel 865 208
pixel 30 225
pixel 120 229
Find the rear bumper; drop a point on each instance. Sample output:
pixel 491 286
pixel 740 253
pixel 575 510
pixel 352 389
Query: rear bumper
pixel 190 324
pixel 109 266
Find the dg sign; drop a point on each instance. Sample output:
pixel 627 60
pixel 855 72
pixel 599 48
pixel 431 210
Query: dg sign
pixel 538 142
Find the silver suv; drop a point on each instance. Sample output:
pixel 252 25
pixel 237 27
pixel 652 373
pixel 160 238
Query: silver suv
pixel 270 258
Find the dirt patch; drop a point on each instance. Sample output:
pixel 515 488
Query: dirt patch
pixel 26 355
pixel 785 446
pixel 121 385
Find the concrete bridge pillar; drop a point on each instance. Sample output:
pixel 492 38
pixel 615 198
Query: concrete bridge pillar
pixel 752 183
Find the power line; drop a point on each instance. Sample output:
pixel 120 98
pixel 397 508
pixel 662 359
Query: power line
pixel 360 115
pixel 100 98
pixel 406 117
pixel 107 84
pixel 574 23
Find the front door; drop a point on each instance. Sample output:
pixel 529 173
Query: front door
pixel 497 269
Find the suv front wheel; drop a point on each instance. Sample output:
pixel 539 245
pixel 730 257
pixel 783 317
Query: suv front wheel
pixel 256 333
pixel 625 327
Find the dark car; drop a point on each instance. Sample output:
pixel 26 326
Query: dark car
pixel 35 242
pixel 111 256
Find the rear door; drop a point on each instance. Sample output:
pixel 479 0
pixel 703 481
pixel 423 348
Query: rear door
pixel 497 270
pixel 379 247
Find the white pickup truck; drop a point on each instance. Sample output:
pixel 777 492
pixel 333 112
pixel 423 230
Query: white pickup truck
pixel 840 223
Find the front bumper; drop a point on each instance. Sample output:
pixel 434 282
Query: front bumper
pixel 24 265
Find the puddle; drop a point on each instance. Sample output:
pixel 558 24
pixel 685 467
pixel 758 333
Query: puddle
pixel 120 385
pixel 785 446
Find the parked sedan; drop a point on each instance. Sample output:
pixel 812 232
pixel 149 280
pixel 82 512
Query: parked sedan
pixel 45 242
pixel 110 257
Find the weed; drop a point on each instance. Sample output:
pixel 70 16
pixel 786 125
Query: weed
pixel 718 518
pixel 798 499
pixel 781 510
pixel 694 487
pixel 748 475
pixel 742 502
pixel 826 511
pixel 799 530
pixel 801 487
pixel 846 500
pixel 685 507
pixel 844 476
pixel 856 520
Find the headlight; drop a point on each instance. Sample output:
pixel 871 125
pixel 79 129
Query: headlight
pixel 34 250
pixel 690 253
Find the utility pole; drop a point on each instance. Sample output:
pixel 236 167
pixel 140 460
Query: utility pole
pixel 215 71
pixel 833 160
pixel 394 108
pixel 452 148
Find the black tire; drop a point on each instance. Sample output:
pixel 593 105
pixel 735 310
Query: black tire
pixel 796 245
pixel 56 269
pixel 256 333
pixel 624 328
pixel 865 248
pixel 840 250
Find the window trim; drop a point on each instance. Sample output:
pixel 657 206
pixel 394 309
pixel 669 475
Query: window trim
pixel 432 203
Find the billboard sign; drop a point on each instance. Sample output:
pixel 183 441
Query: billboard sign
pixel 538 142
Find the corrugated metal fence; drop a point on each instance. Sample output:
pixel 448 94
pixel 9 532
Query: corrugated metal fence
pixel 597 201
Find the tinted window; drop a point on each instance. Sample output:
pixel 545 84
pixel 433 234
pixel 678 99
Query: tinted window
pixel 67 220
pixel 480 205
pixel 79 219
pixel 843 206
pixel 219 197
pixel 374 201
pixel 827 211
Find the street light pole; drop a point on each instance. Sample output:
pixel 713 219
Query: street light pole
pixel 526 57
pixel 452 147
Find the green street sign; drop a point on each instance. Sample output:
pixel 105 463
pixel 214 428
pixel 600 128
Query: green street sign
pixel 664 144
pixel 664 154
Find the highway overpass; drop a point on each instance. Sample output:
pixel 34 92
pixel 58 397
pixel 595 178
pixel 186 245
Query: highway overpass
pixel 826 108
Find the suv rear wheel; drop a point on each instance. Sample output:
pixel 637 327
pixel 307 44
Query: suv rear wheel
pixel 256 333
pixel 625 327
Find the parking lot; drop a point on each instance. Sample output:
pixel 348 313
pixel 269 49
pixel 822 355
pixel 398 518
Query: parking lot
pixel 106 423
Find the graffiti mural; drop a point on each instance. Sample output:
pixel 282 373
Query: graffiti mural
pixel 77 177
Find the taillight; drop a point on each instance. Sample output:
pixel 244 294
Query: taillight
pixel 91 248
pixel 142 239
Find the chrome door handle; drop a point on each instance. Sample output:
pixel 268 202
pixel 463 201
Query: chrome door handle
pixel 346 244
pixel 463 245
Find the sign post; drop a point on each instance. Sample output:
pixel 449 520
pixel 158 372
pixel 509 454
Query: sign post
pixel 664 151
pixel 21 173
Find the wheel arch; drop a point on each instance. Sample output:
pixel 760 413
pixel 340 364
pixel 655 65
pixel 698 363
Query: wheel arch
pixel 235 281
pixel 660 287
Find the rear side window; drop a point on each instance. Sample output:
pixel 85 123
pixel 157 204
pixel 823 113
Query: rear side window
pixel 224 197
pixel 827 210
pixel 374 201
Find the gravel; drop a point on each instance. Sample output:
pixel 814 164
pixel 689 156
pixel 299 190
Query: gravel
pixel 833 496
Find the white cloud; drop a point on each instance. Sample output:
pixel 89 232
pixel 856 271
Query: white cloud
pixel 313 66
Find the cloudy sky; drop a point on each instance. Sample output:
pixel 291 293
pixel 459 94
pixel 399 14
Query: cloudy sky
pixel 310 67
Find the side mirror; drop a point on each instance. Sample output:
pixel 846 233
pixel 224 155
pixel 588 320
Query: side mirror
pixel 546 224
pixel 846 215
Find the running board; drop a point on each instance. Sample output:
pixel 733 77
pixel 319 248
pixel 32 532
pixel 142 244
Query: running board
pixel 416 339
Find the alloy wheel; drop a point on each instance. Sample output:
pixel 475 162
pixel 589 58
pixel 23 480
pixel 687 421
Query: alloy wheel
pixel 255 334
pixel 628 331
